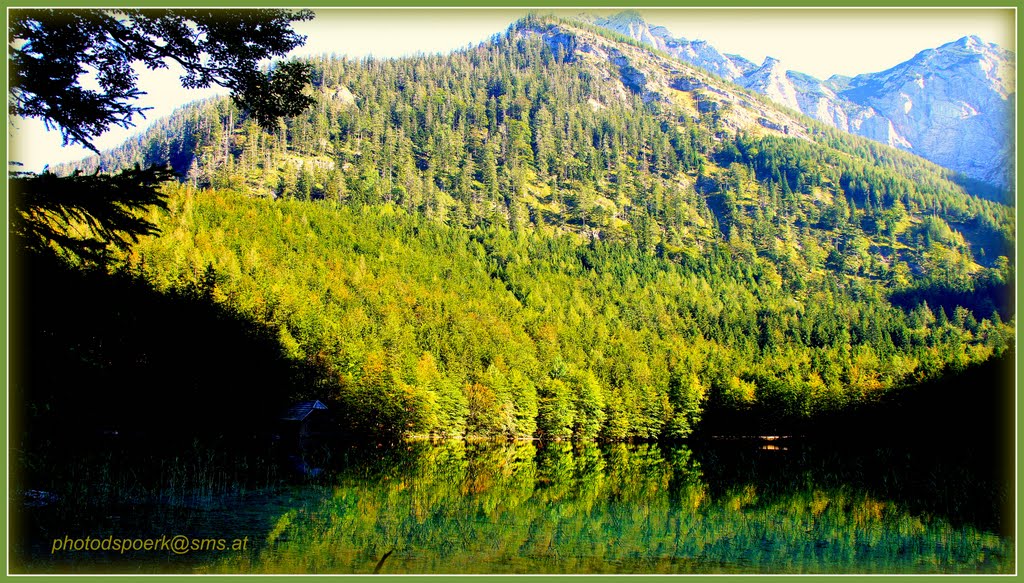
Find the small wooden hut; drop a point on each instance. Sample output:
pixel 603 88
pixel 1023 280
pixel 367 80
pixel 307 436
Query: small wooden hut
pixel 304 420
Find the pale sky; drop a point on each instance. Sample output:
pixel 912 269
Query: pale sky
pixel 823 42
pixel 820 42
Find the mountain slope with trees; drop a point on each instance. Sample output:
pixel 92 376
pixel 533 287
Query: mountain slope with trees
pixel 562 233
pixel 960 93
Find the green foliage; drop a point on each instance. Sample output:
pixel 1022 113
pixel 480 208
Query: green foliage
pixel 454 507
pixel 427 328
pixel 514 247
pixel 50 50
pixel 83 217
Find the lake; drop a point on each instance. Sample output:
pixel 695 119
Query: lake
pixel 737 506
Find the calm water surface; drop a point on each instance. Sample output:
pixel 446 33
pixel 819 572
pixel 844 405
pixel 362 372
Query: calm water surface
pixel 455 507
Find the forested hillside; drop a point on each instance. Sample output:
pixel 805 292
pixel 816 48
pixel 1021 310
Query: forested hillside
pixel 559 233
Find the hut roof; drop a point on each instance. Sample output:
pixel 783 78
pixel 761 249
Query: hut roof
pixel 301 410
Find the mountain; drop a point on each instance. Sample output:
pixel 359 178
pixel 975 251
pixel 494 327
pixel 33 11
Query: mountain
pixel 953 105
pixel 698 52
pixel 771 79
pixel 561 232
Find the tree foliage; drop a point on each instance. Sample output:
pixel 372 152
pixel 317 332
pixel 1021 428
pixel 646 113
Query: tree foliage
pixel 85 215
pixel 52 49
pixel 500 242
pixel 421 327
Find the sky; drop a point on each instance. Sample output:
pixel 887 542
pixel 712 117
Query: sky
pixel 820 42
pixel 845 41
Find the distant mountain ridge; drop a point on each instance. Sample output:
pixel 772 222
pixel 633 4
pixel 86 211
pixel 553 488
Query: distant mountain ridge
pixel 953 105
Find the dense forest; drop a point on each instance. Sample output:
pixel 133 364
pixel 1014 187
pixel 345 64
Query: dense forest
pixel 524 238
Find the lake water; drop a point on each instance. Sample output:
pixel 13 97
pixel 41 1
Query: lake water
pixel 526 507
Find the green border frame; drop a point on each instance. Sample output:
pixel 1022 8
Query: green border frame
pixel 525 4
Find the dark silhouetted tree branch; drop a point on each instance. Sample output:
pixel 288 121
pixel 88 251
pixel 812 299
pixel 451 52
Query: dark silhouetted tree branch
pixel 84 215
pixel 51 52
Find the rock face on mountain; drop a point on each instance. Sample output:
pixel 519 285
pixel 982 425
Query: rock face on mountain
pixel 953 105
pixel 697 52
pixel 771 80
pixel 635 70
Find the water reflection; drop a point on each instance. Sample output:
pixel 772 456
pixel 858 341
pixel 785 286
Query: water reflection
pixel 455 507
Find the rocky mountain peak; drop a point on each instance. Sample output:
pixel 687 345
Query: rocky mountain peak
pixel 634 71
pixel 952 104
pixel 771 80
pixel 628 17
pixel 696 52
pixel 970 41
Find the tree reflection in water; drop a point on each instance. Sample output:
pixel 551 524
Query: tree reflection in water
pixel 455 507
